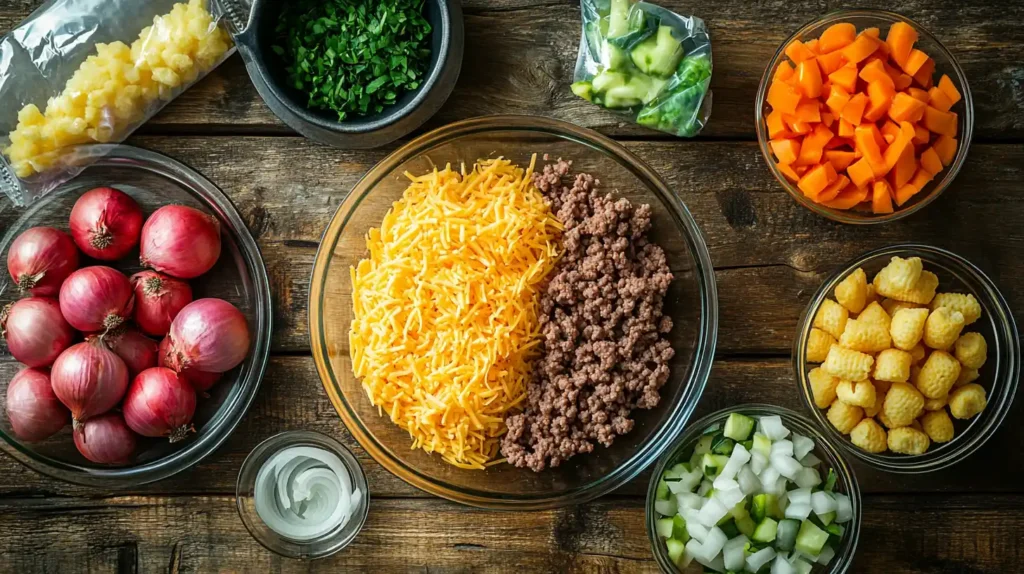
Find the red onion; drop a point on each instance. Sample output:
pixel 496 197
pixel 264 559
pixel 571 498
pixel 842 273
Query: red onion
pixel 105 223
pixel 199 380
pixel 35 330
pixel 33 409
pixel 158 299
pixel 40 259
pixel 160 403
pixel 106 439
pixel 136 350
pixel 96 299
pixel 89 379
pixel 209 335
pixel 180 241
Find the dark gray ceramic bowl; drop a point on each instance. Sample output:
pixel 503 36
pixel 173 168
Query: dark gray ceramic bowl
pixel 254 31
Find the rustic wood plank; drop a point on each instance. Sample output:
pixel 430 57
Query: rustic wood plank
pixel 292 398
pixel 534 43
pixel 762 243
pixel 907 534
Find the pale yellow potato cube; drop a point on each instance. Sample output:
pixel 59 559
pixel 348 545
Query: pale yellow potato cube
pixel 869 436
pixel 937 375
pixel 907 440
pixel 874 314
pixel 865 337
pixel 852 292
pixel 971 350
pixel 942 328
pixel 818 344
pixel 936 404
pixel 966 304
pixel 938 426
pixel 859 394
pixel 907 327
pixel 823 387
pixel 966 376
pixel 967 401
pixel 843 416
pixel 903 403
pixel 831 317
pixel 893 365
pixel 847 364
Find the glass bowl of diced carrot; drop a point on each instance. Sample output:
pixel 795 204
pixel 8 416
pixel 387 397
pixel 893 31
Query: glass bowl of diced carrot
pixel 864 116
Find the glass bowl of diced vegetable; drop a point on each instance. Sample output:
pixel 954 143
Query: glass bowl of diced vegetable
pixel 753 488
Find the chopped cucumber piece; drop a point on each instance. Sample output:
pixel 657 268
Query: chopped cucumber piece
pixel 765 531
pixel 765 505
pixel 830 482
pixel 712 464
pixel 680 468
pixel 785 537
pixel 614 57
pixel 703 445
pixel 679 531
pixel 663 526
pixel 834 529
pixel 738 427
pixel 729 527
pixel 713 429
pixel 739 509
pixel 665 507
pixel 746 525
pixel 722 445
pixel 662 493
pixel 583 89
pixel 748 444
pixel 811 539
pixel 675 549
pixel 638 89
pixel 618 18
pixel 762 444
pixel 659 56
pixel 827 518
pixel 607 79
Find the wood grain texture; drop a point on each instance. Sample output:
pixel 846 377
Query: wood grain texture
pixel 520 56
pixel 292 398
pixel 907 534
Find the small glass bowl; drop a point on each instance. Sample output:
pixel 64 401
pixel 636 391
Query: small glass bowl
pixel 945 63
pixel 321 547
pixel 846 480
pixel 999 375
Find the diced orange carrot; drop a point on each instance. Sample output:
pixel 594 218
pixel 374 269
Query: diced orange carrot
pixel 845 77
pixel 828 119
pixel 776 127
pixel 865 140
pixel 940 122
pixel 930 161
pixel 833 189
pixel 837 99
pixel 900 39
pixel 845 128
pixel 800 169
pixel 905 108
pixel 854 109
pixel 860 172
pixel 918 94
pixel 849 197
pixel 923 77
pixel 881 197
pixel 831 62
pixel 788 171
pixel 904 193
pixel 836 142
pixel 812 45
pixel 817 179
pixel 783 97
pixel 945 146
pixel 862 47
pixel 796 125
pixel 914 61
pixel 786 150
pixel 809 78
pixel 798 52
pixel 880 95
pixel 875 133
pixel 947 86
pixel 896 149
pixel 840 159
pixel 890 128
pixel 836 36
pixel 939 100
pixel 903 81
pixel 783 72
pixel 921 135
pixel 813 146
pixel 809 111
pixel 874 71
pixel 904 169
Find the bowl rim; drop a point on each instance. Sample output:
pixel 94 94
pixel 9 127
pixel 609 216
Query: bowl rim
pixel 703 350
pixel 965 123
pixel 195 451
pixel 970 439
pixel 843 469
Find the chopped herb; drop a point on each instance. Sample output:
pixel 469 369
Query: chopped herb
pixel 354 57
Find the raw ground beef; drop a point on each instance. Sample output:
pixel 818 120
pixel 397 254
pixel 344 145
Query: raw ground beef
pixel 604 349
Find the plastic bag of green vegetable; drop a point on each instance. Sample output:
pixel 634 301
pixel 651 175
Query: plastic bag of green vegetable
pixel 649 62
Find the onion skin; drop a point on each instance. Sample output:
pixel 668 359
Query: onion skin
pixel 180 241
pixel 89 379
pixel 158 299
pixel 96 298
pixel 106 223
pixel 40 259
pixel 138 351
pixel 200 381
pixel 106 439
pixel 209 335
pixel 35 330
pixel 159 403
pixel 34 411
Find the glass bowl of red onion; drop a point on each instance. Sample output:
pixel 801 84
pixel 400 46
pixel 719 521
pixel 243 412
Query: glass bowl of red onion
pixel 89 393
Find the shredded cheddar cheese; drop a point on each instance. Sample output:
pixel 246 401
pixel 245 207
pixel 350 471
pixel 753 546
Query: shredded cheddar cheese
pixel 445 306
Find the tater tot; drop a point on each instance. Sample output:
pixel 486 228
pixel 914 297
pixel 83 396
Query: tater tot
pixel 859 394
pixel 843 416
pixel 847 364
pixel 938 426
pixel 907 327
pixel 869 436
pixel 922 292
pixel 831 318
pixel 967 376
pixel 818 344
pixel 852 292
pixel 903 404
pixel 823 387
pixel 967 305
pixel 893 365
pixel 967 401
pixel 936 404
pixel 942 328
pixel 938 373
pixel 900 274
pixel 907 440
pixel 865 337
pixel 971 350
pixel 874 314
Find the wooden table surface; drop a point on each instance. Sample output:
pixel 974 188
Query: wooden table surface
pixel 769 253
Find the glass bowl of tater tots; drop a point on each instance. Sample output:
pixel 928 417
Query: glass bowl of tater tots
pixel 908 357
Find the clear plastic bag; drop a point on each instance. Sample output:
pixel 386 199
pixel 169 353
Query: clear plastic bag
pixel 641 59
pixel 82 72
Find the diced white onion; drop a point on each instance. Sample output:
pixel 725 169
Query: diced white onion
pixel 731 497
pixel 686 500
pixel 737 459
pixel 694 549
pixel 714 543
pixel 823 503
pixel 712 511
pixel 665 507
pixel 773 428
pixel 782 566
pixel 705 488
pixel 758 462
pixel 749 483
pixel 800 495
pixel 783 501
pixel 783 447
pixel 725 484
pixel 786 465
pixel 827 553
pixel 802 566
pixel 802 445
pixel 807 478
pixel 798 510
pixel 768 476
pixel 690 514
pixel 758 559
pixel 716 563
pixel 844 509
pixel 733 554
pixel 810 460
pixel 696 531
